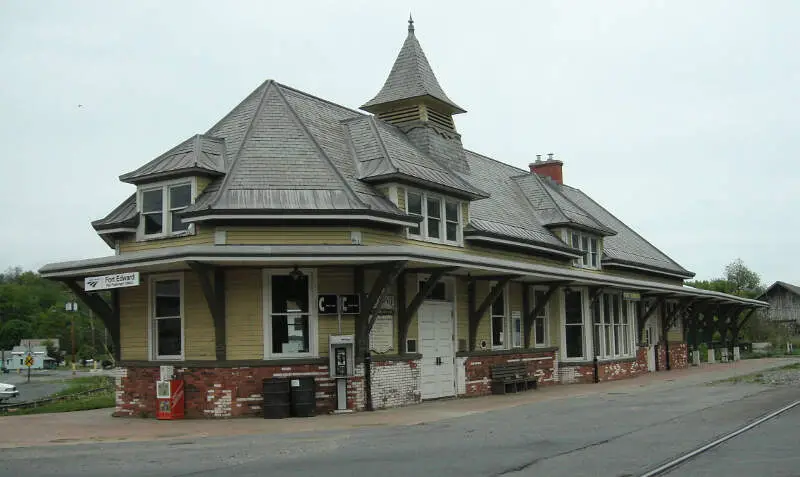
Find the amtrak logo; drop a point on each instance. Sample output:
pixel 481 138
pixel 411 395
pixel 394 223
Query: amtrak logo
pixel 92 282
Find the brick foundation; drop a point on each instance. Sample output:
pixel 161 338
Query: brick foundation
pixel 225 392
pixel 606 370
pixel 678 356
pixel 395 383
pixel 478 374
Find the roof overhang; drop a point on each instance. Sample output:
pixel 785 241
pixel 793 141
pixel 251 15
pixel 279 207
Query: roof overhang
pixel 416 181
pixel 283 215
pixel 613 263
pixel 605 232
pixel 172 258
pixel 486 237
pixel 132 178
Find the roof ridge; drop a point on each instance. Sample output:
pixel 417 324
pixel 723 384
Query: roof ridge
pixel 361 114
pixel 634 232
pixel 156 159
pixel 374 127
pixel 484 156
pixel 586 212
pixel 264 84
pixel 348 136
pixel 235 161
pixel 544 187
pixel 196 149
pixel 348 189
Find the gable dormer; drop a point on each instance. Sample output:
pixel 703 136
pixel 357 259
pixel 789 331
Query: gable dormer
pixel 413 100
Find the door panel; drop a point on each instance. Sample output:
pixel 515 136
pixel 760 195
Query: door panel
pixel 438 352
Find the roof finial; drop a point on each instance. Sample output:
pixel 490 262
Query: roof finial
pixel 410 24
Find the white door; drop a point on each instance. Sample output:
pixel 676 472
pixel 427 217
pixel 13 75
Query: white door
pixel 436 346
pixel 651 334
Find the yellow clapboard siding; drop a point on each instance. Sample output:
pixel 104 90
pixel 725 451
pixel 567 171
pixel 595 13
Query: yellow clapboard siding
pixel 133 322
pixel 338 281
pixel 482 288
pixel 288 235
pixel 202 183
pixel 244 320
pixel 401 198
pixel 554 318
pixel 204 235
pixel 198 324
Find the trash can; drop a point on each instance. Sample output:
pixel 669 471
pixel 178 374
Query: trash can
pixel 304 401
pixel 277 398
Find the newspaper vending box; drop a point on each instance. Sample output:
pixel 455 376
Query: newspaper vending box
pixel 169 396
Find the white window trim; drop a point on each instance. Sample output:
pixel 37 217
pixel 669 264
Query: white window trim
pixel 166 216
pixel 449 286
pixel 313 325
pixel 506 321
pixel 152 349
pixel 607 356
pixel 578 262
pixel 423 226
pixel 546 313
pixel 586 321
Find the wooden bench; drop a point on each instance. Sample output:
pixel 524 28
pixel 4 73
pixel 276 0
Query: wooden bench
pixel 511 377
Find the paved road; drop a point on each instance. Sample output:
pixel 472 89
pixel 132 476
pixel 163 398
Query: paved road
pixel 611 434
pixel 43 383
pixel 769 450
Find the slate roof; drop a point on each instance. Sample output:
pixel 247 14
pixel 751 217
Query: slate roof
pixel 200 154
pixel 383 153
pixel 411 77
pixel 123 216
pixel 284 151
pixel 788 286
pixel 626 247
pixel 553 208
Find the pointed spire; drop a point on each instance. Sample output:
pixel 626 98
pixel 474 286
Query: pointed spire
pixel 411 77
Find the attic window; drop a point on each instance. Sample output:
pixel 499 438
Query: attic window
pixel 590 246
pixel 441 218
pixel 160 207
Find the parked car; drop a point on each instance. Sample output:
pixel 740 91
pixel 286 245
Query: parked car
pixel 8 391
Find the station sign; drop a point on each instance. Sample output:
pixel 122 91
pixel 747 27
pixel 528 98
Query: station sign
pixel 106 282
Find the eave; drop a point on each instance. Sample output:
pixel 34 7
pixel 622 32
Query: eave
pixel 166 175
pixel 415 181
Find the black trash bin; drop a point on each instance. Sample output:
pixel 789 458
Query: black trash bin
pixel 277 398
pixel 304 401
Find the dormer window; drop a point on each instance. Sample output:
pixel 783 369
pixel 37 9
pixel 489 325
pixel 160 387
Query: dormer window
pixel 160 206
pixel 590 248
pixel 440 217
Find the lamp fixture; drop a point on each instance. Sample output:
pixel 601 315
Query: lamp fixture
pixel 296 274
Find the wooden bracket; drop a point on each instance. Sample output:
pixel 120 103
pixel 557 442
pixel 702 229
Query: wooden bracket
pixel 647 313
pixel 214 295
pixel 386 279
pixel 475 314
pixel 108 314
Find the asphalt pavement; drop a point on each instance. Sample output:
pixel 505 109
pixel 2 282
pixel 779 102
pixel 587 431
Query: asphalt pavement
pixel 621 432
pixel 43 383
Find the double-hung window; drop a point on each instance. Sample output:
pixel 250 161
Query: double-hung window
pixel 590 250
pixel 440 218
pixel 290 322
pixel 573 323
pixel 498 321
pixel 160 207
pixel 167 317
pixel 540 320
pixel 612 337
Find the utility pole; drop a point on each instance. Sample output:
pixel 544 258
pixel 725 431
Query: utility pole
pixel 72 306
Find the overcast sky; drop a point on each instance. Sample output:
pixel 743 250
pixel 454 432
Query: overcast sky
pixel 680 117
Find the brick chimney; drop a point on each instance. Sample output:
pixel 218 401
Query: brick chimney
pixel 550 168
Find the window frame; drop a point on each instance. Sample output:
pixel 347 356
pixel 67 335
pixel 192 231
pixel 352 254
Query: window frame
pixel 442 218
pixel 506 321
pixel 166 207
pixel 545 316
pixel 313 315
pixel 607 347
pixel 152 342
pixel 585 324
pixel 592 253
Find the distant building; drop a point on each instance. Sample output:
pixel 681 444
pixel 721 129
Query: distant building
pixel 41 342
pixel 15 359
pixel 784 301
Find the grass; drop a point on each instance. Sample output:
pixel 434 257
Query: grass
pixel 756 378
pixel 84 403
pixel 84 383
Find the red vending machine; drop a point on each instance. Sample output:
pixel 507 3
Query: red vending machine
pixel 169 396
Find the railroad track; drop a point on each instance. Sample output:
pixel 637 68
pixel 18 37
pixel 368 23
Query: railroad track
pixel 671 465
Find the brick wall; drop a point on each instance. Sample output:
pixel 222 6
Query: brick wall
pixel 225 392
pixel 606 370
pixel 678 355
pixel 395 383
pixel 478 374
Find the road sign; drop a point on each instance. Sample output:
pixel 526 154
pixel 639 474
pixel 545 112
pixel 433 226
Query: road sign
pixel 105 282
pixel 327 304
pixel 350 305
pixel 29 360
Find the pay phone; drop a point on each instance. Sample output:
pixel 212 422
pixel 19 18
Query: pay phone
pixel 341 355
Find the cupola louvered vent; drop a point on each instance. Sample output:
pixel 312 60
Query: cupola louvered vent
pixel 441 120
pixel 404 115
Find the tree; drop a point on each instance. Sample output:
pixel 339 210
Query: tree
pixel 14 331
pixel 52 351
pixel 744 281
pixel 86 351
